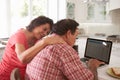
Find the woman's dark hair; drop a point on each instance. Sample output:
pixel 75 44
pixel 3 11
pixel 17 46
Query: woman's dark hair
pixel 62 26
pixel 39 21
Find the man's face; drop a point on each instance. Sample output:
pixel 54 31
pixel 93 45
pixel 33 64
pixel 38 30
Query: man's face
pixel 72 37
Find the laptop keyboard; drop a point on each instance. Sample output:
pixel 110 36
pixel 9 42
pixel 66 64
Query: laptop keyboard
pixel 84 59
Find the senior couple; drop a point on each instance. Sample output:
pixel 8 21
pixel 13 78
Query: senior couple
pixel 42 57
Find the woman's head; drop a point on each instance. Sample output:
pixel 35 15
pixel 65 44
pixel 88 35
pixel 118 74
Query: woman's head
pixel 66 28
pixel 40 26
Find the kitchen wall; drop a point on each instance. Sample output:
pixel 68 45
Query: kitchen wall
pixel 92 28
pixel 114 4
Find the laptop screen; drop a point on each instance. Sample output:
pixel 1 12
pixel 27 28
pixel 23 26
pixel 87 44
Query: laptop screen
pixel 98 49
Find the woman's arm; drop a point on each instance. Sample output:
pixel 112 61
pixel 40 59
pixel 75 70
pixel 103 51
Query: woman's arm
pixel 25 56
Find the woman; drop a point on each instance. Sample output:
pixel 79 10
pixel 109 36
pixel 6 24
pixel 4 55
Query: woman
pixel 20 48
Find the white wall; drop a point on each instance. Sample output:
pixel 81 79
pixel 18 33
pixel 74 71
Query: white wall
pixel 114 4
pixel 92 28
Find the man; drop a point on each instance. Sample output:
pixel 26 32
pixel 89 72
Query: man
pixel 61 61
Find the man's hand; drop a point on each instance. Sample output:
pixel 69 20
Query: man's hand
pixel 93 64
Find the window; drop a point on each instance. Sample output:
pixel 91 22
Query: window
pixel 96 12
pixel 26 10
pixel 16 14
pixel 19 14
pixel 39 7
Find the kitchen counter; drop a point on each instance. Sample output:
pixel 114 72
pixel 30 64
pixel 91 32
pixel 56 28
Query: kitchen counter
pixel 2 47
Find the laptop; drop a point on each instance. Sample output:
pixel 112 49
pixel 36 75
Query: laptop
pixel 97 49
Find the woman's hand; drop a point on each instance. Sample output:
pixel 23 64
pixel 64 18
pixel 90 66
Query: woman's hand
pixel 53 39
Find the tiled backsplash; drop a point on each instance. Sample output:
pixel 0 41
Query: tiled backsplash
pixel 106 28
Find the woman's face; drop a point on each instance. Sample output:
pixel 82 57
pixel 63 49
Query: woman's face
pixel 41 31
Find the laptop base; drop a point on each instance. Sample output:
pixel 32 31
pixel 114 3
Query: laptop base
pixel 84 59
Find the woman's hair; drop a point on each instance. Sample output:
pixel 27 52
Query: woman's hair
pixel 39 21
pixel 62 26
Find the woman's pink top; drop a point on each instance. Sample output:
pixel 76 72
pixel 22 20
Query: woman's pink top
pixel 10 60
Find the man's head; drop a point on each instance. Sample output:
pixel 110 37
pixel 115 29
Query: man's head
pixel 67 29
